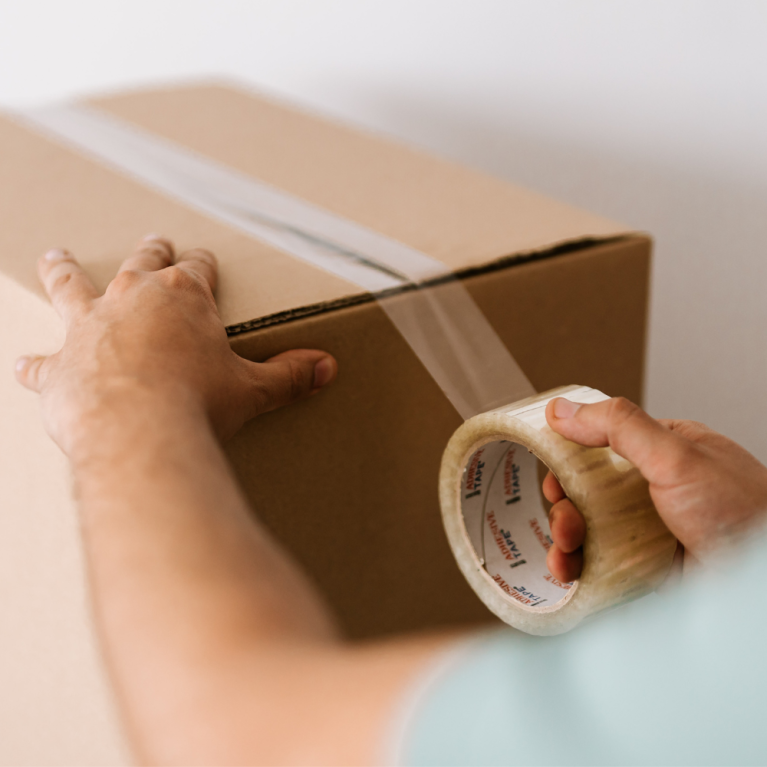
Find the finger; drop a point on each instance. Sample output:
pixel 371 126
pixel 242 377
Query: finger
pixel 568 527
pixel 565 567
pixel 31 371
pixel 289 377
pixel 653 448
pixel 65 282
pixel 552 490
pixel 201 263
pixel 151 254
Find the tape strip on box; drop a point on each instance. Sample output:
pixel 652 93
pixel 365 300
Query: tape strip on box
pixel 489 484
pixel 442 323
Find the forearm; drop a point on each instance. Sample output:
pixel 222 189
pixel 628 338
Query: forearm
pixel 183 579
pixel 217 645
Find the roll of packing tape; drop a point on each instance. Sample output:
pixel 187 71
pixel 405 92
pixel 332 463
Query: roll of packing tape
pixel 497 523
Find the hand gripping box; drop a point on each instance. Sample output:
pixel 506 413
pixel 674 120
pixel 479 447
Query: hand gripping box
pixel 347 480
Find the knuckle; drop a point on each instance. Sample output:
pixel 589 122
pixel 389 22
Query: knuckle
pixel 263 395
pixel 622 410
pixel 300 382
pixel 155 244
pixel 622 414
pixel 691 430
pixel 125 280
pixel 287 385
pixel 157 251
pixel 59 280
pixel 200 254
pixel 179 279
pixel 697 428
pixel 160 243
pixel 189 282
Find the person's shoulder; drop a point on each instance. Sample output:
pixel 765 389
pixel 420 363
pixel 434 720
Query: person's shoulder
pixel 502 688
pixel 464 691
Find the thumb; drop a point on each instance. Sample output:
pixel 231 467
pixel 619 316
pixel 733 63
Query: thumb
pixel 290 377
pixel 653 448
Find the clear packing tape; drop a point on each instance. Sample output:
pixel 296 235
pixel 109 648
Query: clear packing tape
pixel 448 332
pixel 441 322
pixel 497 525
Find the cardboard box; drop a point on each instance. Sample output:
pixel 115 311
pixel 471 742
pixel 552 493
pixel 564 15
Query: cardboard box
pixel 348 480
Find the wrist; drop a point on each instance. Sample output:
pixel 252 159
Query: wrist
pixel 122 416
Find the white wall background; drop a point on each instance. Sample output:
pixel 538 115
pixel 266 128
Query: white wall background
pixel 651 112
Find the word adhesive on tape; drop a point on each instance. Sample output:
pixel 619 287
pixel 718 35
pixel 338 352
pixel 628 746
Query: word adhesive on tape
pixel 497 524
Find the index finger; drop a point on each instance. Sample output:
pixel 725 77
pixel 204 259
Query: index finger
pixel 65 282
pixel 202 263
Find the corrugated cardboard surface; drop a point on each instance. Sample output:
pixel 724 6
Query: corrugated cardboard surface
pixel 346 480
pixel 55 707
pixel 456 215
pixel 361 461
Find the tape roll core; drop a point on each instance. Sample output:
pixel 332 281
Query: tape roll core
pixel 497 524
pixel 507 523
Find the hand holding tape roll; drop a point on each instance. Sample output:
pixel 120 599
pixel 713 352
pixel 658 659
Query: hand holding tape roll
pixel 497 525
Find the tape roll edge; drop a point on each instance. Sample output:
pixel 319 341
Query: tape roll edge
pixel 628 550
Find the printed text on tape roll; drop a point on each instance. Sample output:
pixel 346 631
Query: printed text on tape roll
pixel 497 523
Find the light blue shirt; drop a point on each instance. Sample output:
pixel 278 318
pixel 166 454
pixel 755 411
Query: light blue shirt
pixel 669 680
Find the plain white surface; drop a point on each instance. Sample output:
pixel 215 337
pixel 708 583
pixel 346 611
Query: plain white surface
pixel 653 113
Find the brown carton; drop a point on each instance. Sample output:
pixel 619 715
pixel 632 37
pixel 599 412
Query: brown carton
pixel 347 480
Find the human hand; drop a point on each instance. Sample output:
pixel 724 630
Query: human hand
pixel 153 340
pixel 707 489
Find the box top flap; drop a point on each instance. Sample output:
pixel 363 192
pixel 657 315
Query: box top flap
pixel 52 196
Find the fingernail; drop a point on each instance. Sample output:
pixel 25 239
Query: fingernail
pixel 152 237
pixel 323 372
pixel 21 363
pixel 55 255
pixel 563 408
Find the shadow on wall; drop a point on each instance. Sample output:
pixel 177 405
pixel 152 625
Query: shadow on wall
pixel 707 357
